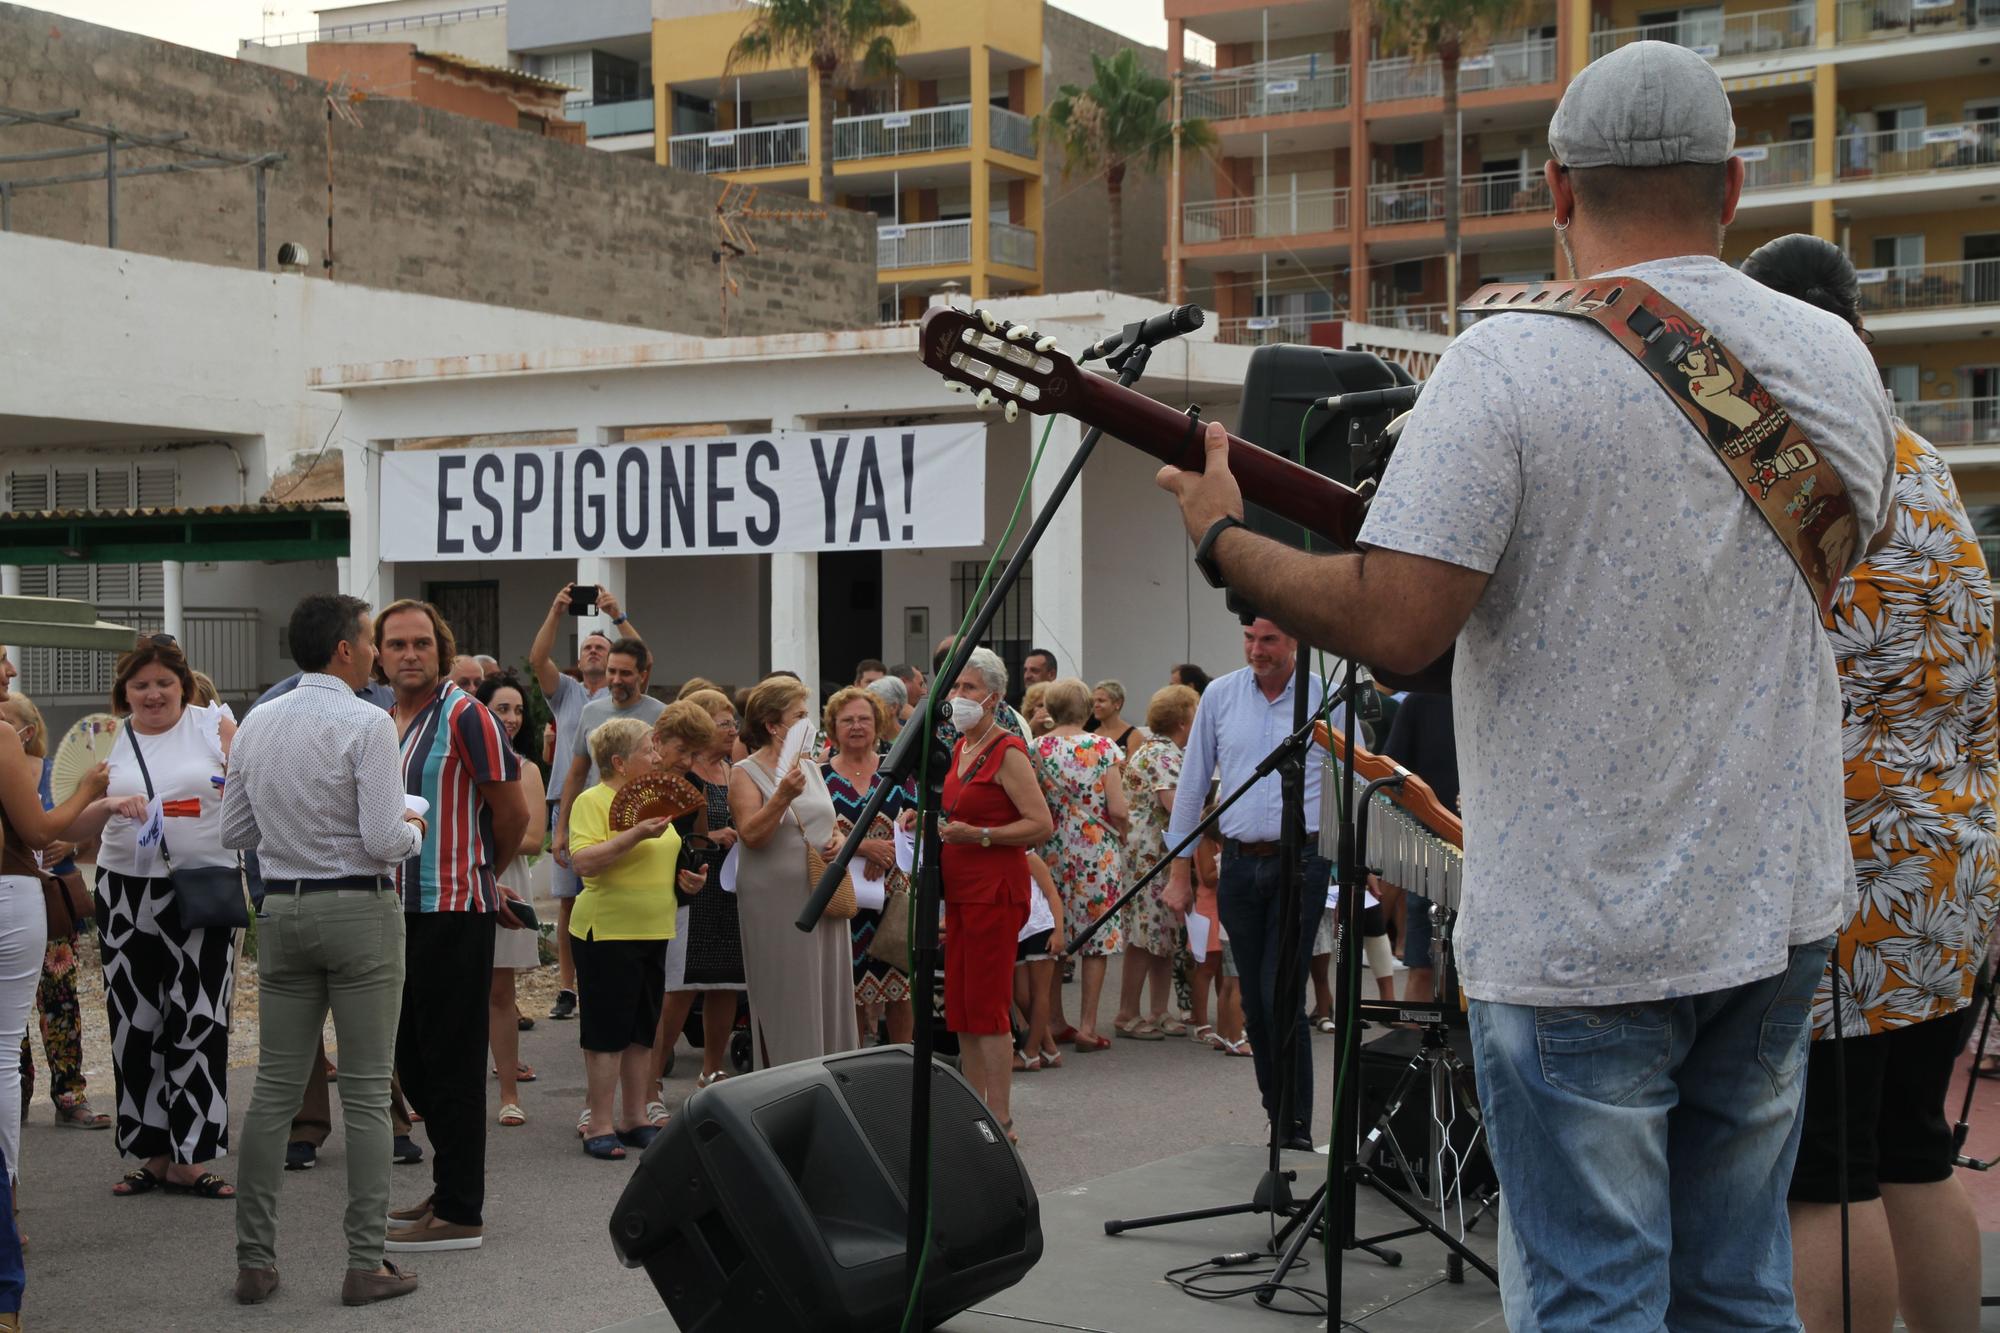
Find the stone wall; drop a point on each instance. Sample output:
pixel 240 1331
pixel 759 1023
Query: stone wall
pixel 423 201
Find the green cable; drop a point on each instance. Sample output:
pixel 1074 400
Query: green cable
pixel 972 606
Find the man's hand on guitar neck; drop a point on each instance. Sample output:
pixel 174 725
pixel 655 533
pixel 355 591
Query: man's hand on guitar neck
pixel 1392 610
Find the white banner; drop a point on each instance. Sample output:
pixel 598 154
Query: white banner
pixel 738 495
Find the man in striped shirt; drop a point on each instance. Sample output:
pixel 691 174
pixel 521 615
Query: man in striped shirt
pixel 458 760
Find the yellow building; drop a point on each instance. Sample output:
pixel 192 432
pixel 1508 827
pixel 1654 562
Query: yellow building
pixel 945 155
pixel 1875 123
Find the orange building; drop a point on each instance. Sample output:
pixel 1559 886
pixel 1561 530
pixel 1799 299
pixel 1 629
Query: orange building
pixel 448 83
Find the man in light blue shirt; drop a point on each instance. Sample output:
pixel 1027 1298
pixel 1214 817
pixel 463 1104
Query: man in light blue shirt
pixel 1243 716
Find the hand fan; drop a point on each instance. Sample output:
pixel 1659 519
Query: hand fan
pixel 655 796
pixel 84 746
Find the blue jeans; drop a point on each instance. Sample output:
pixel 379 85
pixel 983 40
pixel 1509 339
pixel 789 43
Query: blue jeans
pixel 1644 1152
pixel 1247 902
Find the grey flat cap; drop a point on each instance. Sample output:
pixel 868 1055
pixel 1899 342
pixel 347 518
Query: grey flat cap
pixel 1649 104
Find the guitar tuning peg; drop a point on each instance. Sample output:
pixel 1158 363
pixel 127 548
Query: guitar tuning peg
pixel 1020 333
pixel 1012 411
pixel 984 400
pixel 1045 344
pixel 955 387
pixel 986 318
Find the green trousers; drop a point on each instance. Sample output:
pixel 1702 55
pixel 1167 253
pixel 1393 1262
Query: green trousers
pixel 342 950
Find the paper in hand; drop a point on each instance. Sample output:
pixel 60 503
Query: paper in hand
pixel 155 825
pixel 1197 929
pixel 796 741
pixel 906 850
pixel 417 806
pixel 870 891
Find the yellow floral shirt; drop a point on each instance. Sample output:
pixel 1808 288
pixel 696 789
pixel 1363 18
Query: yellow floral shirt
pixel 1912 628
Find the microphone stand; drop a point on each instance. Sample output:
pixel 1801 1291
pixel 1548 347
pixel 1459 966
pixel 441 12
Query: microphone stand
pixel 1130 363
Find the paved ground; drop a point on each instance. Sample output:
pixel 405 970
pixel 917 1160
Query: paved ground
pixel 98 1262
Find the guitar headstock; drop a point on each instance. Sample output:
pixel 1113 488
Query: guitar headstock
pixel 1003 365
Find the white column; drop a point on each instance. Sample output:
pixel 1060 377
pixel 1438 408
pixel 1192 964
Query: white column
pixel 795 598
pixel 1057 564
pixel 608 573
pixel 174 599
pixel 10 580
pixel 364 573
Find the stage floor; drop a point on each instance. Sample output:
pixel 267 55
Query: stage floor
pixel 1094 1283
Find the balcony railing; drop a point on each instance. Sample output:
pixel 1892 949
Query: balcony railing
pixel 1263 330
pixel 343 31
pixel 1883 20
pixel 894 133
pixel 1276 88
pixel 1954 420
pixel 923 244
pixel 1011 244
pixel 1012 132
pixel 1954 284
pixel 1427 318
pixel 1299 213
pixel 1771 166
pixel 1929 148
pixel 606 118
pixel 220 641
pixel 757 149
pixel 1521 63
pixel 1493 194
pixel 1761 32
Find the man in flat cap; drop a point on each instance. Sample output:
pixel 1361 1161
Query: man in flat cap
pixel 1648 718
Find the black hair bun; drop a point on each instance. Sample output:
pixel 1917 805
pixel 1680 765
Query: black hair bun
pixel 1811 270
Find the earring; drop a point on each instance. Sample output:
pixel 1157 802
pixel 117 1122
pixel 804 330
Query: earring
pixel 1562 224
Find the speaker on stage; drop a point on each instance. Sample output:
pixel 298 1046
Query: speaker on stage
pixel 1386 1071
pixel 777 1200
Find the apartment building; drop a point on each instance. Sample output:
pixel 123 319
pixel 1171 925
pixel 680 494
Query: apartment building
pixel 1874 123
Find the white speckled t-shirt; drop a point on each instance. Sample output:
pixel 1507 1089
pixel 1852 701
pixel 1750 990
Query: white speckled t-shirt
pixel 1648 712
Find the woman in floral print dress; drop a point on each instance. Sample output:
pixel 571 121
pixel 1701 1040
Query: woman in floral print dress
pixel 1153 932
pixel 1086 794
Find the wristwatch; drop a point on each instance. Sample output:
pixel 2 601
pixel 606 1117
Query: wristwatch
pixel 620 618
pixel 986 837
pixel 1204 551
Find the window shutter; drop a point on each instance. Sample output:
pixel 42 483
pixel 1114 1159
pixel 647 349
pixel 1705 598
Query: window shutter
pixel 114 585
pixel 35 580
pixel 72 489
pixel 150 584
pixel 28 489
pixel 113 488
pixel 158 485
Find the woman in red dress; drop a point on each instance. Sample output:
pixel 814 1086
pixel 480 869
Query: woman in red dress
pixel 993 812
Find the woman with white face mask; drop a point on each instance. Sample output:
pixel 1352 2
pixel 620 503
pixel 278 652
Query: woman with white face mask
pixel 993 812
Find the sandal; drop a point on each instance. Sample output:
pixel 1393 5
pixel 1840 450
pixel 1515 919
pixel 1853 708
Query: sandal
pixel 522 1023
pixel 1325 1024
pixel 1085 1045
pixel 1171 1027
pixel 605 1148
pixel 1029 1063
pixel 656 1113
pixel 1206 1035
pixel 1986 1066
pixel 639 1136
pixel 1063 1035
pixel 140 1181
pixel 1052 1059
pixel 511 1115
pixel 207 1185
pixel 1139 1030
pixel 583 1124
pixel 710 1080
pixel 78 1115
pixel 522 1073
pixel 1241 1046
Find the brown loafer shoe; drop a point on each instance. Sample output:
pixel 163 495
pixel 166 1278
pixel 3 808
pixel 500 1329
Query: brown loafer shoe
pixel 433 1233
pixel 362 1288
pixel 254 1286
pixel 416 1212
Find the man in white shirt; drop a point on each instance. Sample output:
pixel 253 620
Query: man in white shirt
pixel 1648 721
pixel 315 787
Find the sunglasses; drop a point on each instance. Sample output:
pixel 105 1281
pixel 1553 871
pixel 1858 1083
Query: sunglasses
pixel 160 641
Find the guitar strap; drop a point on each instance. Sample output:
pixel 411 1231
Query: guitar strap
pixel 1792 484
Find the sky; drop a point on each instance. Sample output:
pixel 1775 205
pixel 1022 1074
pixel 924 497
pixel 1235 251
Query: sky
pixel 217 25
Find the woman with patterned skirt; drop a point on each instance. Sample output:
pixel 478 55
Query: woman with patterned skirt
pixel 855 718
pixel 1086 795
pixel 1153 932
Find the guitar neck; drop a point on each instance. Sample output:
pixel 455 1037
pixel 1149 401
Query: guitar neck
pixel 1318 504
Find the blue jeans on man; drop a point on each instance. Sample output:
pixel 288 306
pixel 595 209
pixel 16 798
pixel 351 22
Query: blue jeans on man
pixel 1247 902
pixel 1644 1151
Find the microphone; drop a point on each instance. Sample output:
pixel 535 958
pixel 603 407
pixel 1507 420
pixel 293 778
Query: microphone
pixel 1150 332
pixel 1400 398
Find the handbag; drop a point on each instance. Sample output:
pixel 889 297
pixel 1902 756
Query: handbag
pixel 891 941
pixel 66 906
pixel 205 895
pixel 843 905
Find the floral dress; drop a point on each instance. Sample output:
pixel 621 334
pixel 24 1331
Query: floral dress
pixel 1155 767
pixel 875 982
pixel 1085 854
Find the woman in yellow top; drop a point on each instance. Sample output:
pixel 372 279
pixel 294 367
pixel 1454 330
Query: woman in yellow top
pixel 618 937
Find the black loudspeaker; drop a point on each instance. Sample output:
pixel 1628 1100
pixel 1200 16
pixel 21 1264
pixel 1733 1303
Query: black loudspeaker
pixel 1383 1064
pixel 778 1200
pixel 1283 381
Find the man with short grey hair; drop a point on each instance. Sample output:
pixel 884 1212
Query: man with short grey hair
pixel 1652 883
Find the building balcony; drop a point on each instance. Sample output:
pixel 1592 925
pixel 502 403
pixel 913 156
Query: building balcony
pixel 1495 194
pixel 1010 131
pixel 923 244
pixel 1949 421
pixel 725 152
pixel 1953 285
pixel 1886 20
pixel 601 120
pixel 1773 166
pixel 1424 318
pixel 1264 330
pixel 1909 152
pixel 898 133
pixel 1276 88
pixel 1300 213
pixel 1762 32
pixel 1521 63
pixel 1009 244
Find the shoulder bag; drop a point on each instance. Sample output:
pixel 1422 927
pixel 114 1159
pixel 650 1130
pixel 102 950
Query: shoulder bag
pixel 206 895
pixel 66 905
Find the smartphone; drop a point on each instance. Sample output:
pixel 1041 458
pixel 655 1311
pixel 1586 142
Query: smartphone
pixel 524 912
pixel 583 599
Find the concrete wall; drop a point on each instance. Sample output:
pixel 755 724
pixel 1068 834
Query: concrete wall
pixel 424 201
pixel 539 25
pixel 1074 229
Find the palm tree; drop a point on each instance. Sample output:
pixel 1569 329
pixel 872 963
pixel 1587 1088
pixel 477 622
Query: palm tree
pixel 1450 29
pixel 1113 123
pixel 832 37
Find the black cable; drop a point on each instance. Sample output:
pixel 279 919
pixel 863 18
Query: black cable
pixel 1197 1280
